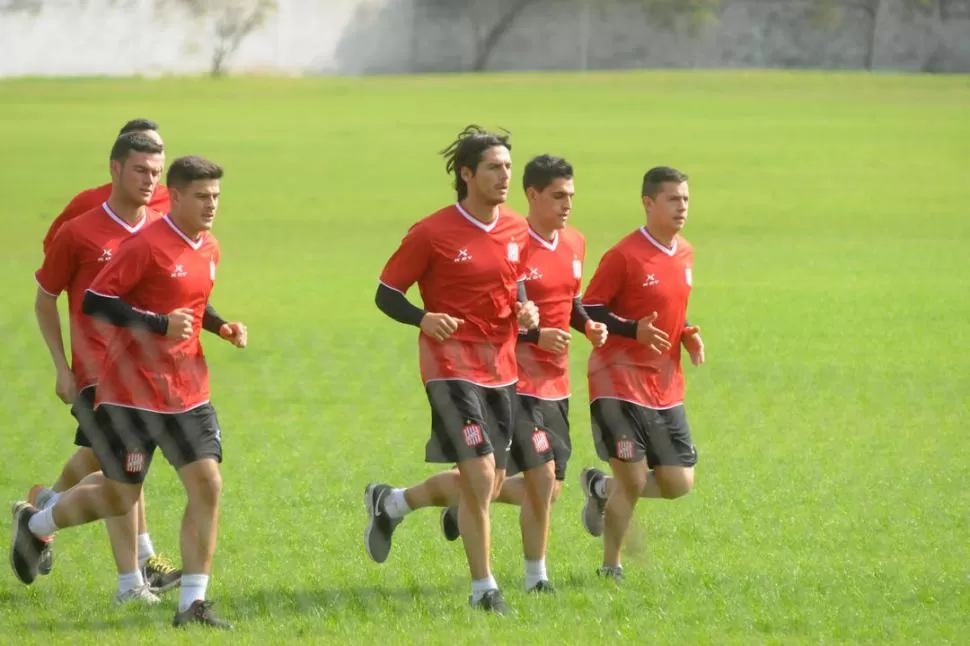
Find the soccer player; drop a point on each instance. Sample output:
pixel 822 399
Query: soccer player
pixel 81 249
pixel 541 444
pixel 636 384
pixel 92 198
pixel 153 390
pixel 466 260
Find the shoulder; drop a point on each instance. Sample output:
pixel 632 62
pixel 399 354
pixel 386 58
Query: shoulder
pixel 684 248
pixel 574 239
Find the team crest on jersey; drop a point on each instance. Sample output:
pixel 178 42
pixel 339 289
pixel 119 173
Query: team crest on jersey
pixel 134 462
pixel 513 252
pixel 473 434
pixel 577 268
pixel 212 269
pixel 541 441
pixel 689 276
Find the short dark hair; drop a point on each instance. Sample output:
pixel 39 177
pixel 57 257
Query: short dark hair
pixel 186 170
pixel 138 125
pixel 134 141
pixel 541 171
pixel 656 177
pixel 466 152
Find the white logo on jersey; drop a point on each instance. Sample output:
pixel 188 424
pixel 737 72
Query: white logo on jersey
pixel 179 272
pixel 577 268
pixel 105 255
pixel 513 252
pixel 463 256
pixel 690 276
pixel 212 270
pixel 651 281
pixel 533 274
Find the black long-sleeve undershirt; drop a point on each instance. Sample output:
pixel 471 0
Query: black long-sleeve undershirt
pixel 119 313
pixel 396 305
pixel 614 324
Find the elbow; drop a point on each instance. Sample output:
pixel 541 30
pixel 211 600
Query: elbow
pixel 89 306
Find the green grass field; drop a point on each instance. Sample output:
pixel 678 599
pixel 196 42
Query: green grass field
pixel 831 279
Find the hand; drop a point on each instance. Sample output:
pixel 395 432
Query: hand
pixel 647 334
pixel 65 386
pixel 528 315
pixel 596 333
pixel 693 343
pixel 554 339
pixel 234 333
pixel 440 326
pixel 180 324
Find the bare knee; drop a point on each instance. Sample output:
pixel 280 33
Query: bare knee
pixel 477 479
pixel 674 482
pixel 203 482
pixel 556 490
pixel 119 497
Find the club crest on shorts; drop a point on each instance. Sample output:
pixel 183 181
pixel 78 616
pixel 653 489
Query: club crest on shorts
pixel 541 441
pixel 473 434
pixel 624 449
pixel 513 252
pixel 134 462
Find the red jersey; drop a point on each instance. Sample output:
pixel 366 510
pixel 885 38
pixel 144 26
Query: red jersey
pixel 92 199
pixel 636 277
pixel 469 270
pixel 554 274
pixel 77 254
pixel 159 270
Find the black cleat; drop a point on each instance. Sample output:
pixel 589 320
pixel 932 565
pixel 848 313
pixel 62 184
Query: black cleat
pixel 491 601
pixel 595 506
pixel 614 572
pixel 380 526
pixel 26 550
pixel 200 612
pixel 449 523
pixel 160 575
pixel 46 563
pixel 38 497
pixel 542 587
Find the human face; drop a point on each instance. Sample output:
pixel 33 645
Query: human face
pixel 668 210
pixel 489 183
pixel 136 177
pixel 194 206
pixel 549 208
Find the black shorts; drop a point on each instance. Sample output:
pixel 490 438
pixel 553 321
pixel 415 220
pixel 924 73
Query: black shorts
pixel 541 434
pixel 629 432
pixel 83 411
pixel 469 421
pixel 126 438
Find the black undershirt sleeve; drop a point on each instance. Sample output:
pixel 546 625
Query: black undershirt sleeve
pixel 614 324
pixel 579 316
pixel 396 305
pixel 211 321
pixel 119 313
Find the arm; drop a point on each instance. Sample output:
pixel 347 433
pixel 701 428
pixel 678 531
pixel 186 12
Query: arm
pixel 119 313
pixel 211 321
pixel 579 317
pixel 49 322
pixel 396 305
pixel 614 324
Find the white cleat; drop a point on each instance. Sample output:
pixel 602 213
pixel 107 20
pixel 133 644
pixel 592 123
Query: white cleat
pixel 141 594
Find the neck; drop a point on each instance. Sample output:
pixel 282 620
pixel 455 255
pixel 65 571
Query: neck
pixel 547 233
pixel 482 212
pixel 663 236
pixel 130 213
pixel 191 232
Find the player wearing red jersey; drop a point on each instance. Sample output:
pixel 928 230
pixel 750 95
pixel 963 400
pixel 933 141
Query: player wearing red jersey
pixel 636 383
pixel 92 198
pixel 541 444
pixel 78 253
pixel 466 260
pixel 153 389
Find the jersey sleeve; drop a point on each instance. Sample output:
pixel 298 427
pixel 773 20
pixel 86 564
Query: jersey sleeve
pixel 78 205
pixel 125 270
pixel 60 263
pixel 581 268
pixel 411 260
pixel 607 280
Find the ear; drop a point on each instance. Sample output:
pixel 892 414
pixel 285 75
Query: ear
pixel 114 167
pixel 647 201
pixel 466 174
pixel 531 193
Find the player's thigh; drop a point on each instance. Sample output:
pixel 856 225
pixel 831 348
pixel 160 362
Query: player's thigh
pixel 555 422
pixel 531 446
pixel 460 423
pixel 669 439
pixel 121 441
pixel 619 430
pixel 191 436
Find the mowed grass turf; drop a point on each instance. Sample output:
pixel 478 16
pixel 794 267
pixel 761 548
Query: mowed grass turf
pixel 828 217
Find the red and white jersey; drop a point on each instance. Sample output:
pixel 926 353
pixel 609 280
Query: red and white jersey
pixel 554 276
pixel 636 277
pixel 466 269
pixel 92 198
pixel 159 271
pixel 79 252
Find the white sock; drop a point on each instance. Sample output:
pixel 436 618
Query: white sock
pixel 535 571
pixel 193 589
pixel 599 488
pixel 50 502
pixel 145 548
pixel 130 581
pixel 395 504
pixel 479 587
pixel 42 523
